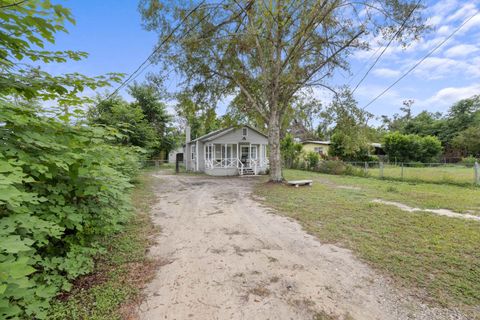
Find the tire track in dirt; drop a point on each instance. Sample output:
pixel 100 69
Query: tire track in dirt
pixel 231 258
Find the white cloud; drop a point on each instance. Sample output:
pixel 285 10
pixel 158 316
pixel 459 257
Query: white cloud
pixel 461 50
pixel 472 24
pixel 444 7
pixel 465 11
pixel 386 73
pixel 434 68
pixel 444 30
pixel 448 96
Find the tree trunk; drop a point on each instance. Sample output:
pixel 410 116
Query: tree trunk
pixel 274 144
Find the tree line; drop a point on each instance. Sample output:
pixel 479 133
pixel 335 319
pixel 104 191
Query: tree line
pixel 426 137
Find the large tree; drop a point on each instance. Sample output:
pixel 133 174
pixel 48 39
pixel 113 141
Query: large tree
pixel 269 51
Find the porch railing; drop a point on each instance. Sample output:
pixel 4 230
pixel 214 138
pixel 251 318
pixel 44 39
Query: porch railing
pixel 223 163
pixel 254 164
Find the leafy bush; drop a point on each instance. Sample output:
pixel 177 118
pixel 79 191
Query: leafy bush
pixel 62 187
pixel 411 147
pixel 312 159
pixel 290 150
pixel 340 168
pixel 332 167
pixel 469 161
pixel 349 149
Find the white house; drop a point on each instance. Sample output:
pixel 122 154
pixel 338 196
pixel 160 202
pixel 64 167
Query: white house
pixel 227 152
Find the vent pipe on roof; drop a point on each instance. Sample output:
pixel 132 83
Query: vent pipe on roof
pixel 187 134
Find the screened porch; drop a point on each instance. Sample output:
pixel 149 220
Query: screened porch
pixel 238 155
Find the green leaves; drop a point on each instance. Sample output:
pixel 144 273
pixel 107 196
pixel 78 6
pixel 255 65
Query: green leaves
pixel 24 32
pixel 14 244
pixel 411 147
pixel 61 189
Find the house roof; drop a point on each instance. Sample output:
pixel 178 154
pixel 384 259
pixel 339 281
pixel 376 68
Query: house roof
pixel 218 133
pixel 316 142
pixel 210 134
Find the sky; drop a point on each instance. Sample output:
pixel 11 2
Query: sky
pixel 111 32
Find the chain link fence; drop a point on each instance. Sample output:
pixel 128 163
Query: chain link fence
pixel 162 164
pixel 427 172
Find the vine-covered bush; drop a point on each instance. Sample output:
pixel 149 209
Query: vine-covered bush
pixel 62 187
pixel 336 167
pixel 312 159
pixel 469 161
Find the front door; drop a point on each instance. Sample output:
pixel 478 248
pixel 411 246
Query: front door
pixel 244 156
pixel 248 152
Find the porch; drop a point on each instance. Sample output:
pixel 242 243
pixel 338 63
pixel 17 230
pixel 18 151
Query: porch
pixel 237 158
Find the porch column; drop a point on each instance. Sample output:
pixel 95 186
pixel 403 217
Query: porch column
pixel 196 156
pixel 249 154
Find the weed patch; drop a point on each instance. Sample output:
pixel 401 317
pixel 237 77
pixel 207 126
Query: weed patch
pixel 113 289
pixel 436 256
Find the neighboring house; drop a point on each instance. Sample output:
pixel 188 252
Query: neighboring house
pixel 320 147
pixel 228 152
pixel 378 149
pixel 172 155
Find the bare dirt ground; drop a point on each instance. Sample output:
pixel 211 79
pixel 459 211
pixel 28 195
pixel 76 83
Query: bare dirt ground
pixel 228 257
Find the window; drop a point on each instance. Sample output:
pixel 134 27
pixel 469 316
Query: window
pixel 194 151
pixel 253 152
pixel 244 132
pixel 227 153
pixel 319 150
pixel 209 152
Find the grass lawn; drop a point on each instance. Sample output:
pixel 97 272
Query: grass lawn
pixel 441 174
pixel 114 288
pixel 438 256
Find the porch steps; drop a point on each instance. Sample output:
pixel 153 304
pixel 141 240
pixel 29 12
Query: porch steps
pixel 248 172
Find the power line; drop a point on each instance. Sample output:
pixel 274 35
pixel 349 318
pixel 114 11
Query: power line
pixel 180 38
pixel 388 44
pixel 133 75
pixel 363 67
pixel 421 60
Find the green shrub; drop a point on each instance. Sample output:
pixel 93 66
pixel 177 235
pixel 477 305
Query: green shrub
pixel 411 147
pixel 291 151
pixel 62 187
pixel 332 167
pixel 338 167
pixel 312 159
pixel 469 161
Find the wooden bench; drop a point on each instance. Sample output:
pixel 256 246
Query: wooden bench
pixel 297 183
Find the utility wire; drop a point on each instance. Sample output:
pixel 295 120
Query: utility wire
pixel 353 76
pixel 180 38
pixel 402 26
pixel 133 75
pixel 421 60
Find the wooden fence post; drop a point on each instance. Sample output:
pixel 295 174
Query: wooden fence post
pixel 157 164
pixel 381 169
pixel 402 171
pixel 366 168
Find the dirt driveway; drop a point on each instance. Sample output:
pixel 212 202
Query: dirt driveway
pixel 231 258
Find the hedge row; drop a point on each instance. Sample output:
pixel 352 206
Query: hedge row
pixel 62 188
